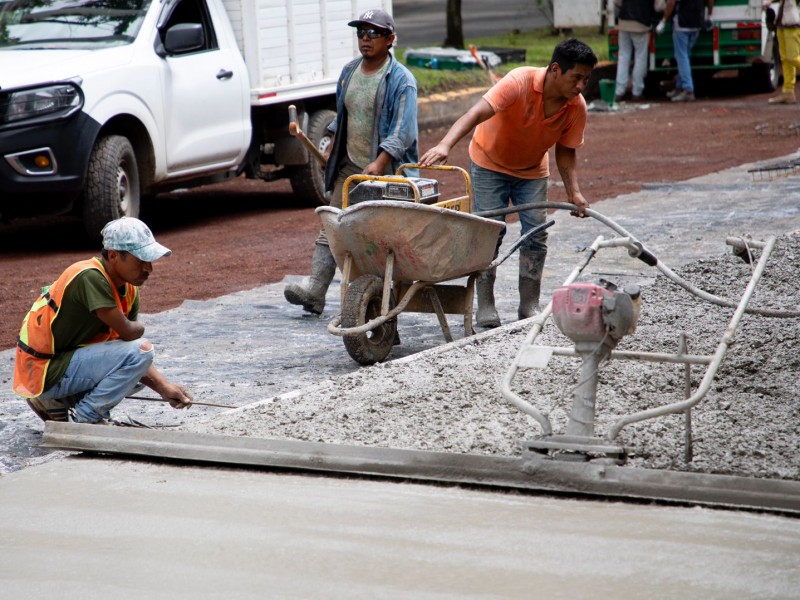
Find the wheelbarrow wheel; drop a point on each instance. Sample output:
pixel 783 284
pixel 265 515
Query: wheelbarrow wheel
pixel 362 303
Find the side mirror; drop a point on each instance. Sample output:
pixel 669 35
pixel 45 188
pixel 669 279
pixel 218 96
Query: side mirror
pixel 183 38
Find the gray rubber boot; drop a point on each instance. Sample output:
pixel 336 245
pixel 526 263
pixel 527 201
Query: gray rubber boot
pixel 487 314
pixel 531 266
pixel 311 293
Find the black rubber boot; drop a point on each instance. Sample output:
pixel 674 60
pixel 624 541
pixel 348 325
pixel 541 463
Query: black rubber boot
pixel 311 293
pixel 531 267
pixel 486 316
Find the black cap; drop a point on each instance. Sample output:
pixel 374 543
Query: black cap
pixel 376 18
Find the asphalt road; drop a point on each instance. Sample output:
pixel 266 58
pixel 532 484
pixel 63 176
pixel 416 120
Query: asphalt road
pixel 424 22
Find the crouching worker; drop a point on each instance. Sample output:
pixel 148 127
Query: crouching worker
pixel 80 350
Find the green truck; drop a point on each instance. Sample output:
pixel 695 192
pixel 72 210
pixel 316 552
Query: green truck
pixel 739 44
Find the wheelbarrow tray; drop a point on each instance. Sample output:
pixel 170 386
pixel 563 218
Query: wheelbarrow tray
pixel 428 243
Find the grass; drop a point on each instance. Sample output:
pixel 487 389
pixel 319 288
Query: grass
pixel 538 45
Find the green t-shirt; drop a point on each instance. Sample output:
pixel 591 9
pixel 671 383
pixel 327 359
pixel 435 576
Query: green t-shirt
pixel 360 103
pixel 76 321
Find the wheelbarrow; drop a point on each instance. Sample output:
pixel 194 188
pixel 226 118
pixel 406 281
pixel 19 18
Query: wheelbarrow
pixel 396 256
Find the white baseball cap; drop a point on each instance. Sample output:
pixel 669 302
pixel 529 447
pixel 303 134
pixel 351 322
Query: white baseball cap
pixel 132 235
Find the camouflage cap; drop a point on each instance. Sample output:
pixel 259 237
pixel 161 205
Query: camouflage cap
pixel 132 235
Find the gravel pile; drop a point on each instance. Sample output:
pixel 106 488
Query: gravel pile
pixel 448 399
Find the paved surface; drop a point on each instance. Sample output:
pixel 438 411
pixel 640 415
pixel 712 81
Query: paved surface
pixel 87 528
pixel 252 345
pixel 95 529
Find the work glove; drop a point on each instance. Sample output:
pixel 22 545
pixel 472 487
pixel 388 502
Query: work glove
pixel 661 27
pixel 708 25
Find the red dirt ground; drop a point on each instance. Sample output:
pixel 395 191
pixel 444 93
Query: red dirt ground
pixel 244 234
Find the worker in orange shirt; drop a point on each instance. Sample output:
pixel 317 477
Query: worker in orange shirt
pixel 516 122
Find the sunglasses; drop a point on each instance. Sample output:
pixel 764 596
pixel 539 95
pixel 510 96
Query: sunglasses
pixel 371 33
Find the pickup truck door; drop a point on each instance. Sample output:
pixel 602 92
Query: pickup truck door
pixel 207 118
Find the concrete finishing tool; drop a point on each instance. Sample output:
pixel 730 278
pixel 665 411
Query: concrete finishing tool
pixel 595 316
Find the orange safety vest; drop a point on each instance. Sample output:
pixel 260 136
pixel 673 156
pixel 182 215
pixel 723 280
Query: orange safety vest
pixel 36 346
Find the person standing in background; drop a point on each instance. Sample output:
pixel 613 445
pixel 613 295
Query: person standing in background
pixel 634 20
pixel 787 29
pixel 689 17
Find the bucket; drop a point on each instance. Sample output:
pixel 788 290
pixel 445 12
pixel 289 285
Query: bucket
pixel 607 90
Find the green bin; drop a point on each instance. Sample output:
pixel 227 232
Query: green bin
pixel 607 90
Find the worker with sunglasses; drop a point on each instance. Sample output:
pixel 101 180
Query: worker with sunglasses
pixel 375 131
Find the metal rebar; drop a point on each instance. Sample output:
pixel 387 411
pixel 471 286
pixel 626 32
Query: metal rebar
pixel 191 402
pixel 688 448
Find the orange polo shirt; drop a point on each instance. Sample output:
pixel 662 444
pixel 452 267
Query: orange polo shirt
pixel 516 139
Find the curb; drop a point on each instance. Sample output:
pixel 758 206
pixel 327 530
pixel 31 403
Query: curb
pixel 438 110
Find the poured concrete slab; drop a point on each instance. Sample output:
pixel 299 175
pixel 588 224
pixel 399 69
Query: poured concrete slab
pixel 95 528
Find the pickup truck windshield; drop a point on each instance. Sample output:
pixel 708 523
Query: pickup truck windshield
pixel 69 24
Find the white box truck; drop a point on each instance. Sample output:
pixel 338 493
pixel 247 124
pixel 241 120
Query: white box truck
pixel 104 103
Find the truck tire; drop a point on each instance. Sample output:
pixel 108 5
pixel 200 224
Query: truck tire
pixel 308 180
pixel 112 184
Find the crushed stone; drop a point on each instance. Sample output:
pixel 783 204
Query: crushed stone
pixel 448 399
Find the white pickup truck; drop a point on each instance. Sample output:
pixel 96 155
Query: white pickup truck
pixel 104 103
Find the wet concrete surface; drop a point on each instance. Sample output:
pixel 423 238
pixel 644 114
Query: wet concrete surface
pixel 252 345
pixel 109 528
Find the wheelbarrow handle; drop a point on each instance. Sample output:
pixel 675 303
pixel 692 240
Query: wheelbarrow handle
pixel 519 242
pixel 294 130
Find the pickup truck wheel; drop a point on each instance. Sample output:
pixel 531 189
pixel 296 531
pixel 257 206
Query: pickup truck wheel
pixel 308 181
pixel 112 184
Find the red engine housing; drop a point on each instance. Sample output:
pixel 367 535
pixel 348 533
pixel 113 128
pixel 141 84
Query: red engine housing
pixel 578 311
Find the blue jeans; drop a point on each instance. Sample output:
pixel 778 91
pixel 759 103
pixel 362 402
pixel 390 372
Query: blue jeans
pixel 636 45
pixel 103 374
pixel 684 41
pixel 494 190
